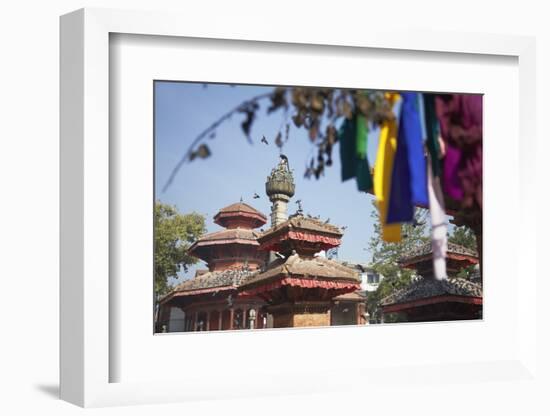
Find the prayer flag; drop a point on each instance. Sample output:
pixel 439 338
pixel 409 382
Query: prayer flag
pixel 353 152
pixel 432 133
pixel 408 183
pixel 382 174
pixel 439 224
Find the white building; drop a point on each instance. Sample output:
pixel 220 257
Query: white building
pixel 369 278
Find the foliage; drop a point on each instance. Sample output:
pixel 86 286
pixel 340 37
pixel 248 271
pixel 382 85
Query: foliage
pixel 317 110
pixel 174 234
pixel 386 256
pixel 465 237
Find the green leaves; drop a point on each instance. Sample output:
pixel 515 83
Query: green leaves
pixel 465 237
pixel 174 234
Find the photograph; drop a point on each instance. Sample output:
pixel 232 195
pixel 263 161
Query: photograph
pixel 292 206
pixel 276 208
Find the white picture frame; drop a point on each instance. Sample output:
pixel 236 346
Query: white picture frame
pixel 86 351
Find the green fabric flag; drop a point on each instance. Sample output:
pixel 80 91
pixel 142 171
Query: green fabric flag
pixel 361 136
pixel 353 152
pixel 432 132
pixel 346 137
pixel 362 175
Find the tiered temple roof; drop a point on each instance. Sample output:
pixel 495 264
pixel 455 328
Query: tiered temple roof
pixel 237 245
pixel 429 291
pixel 427 298
pixel 317 272
pixel 211 282
pixel 240 215
pixel 298 275
pixel 232 235
pixel 420 258
pixel 303 234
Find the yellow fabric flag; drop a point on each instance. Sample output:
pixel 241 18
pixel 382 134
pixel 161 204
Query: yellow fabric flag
pixel 383 167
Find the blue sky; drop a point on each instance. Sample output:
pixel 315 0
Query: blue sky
pixel 238 169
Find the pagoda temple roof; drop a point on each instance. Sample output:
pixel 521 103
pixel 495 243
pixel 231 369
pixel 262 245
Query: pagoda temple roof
pixel 240 210
pixel 424 251
pixel 211 282
pixel 423 289
pixel 304 229
pixel 310 268
pixel 306 223
pixel 356 296
pixel 241 207
pixel 229 236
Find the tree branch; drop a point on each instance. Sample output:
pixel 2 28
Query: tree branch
pixel 207 131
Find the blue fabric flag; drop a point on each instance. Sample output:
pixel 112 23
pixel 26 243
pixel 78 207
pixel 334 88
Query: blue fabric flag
pixel 409 181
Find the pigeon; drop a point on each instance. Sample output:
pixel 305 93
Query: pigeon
pixel 344 227
pixel 327 221
pixel 264 140
pixel 256 196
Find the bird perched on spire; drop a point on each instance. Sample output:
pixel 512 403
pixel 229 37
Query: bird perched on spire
pixel 264 140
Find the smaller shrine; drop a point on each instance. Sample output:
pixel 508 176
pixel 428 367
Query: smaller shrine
pixel 212 300
pixel 428 299
pixel 237 245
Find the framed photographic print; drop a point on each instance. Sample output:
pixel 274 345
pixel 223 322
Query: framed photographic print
pixel 291 210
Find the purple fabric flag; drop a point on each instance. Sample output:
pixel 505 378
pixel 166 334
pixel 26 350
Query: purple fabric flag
pixel 461 119
pixel 451 181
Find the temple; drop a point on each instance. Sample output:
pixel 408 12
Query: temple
pixel 212 300
pixel 428 299
pixel 274 279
